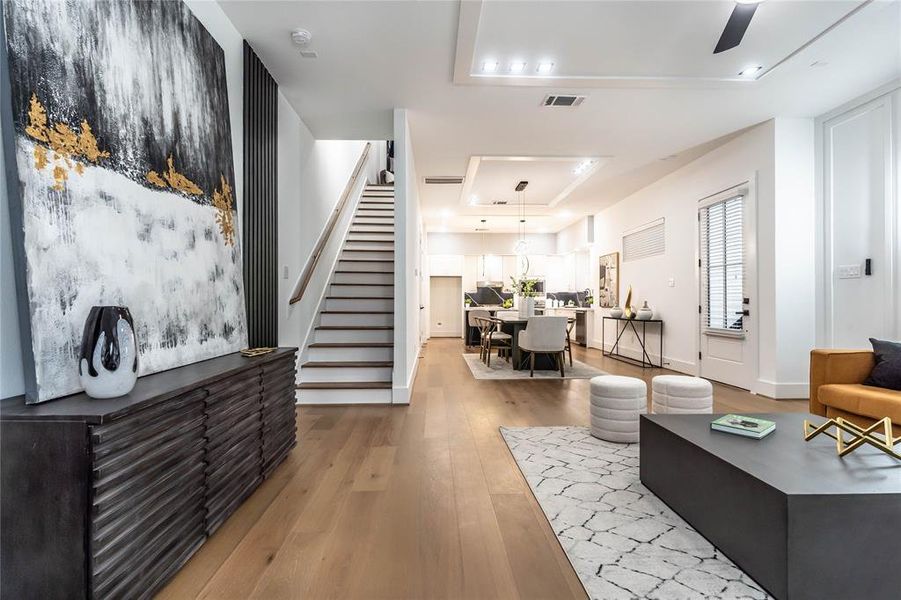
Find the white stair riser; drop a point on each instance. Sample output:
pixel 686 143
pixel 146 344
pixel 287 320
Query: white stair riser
pixel 380 236
pixel 351 354
pixel 364 212
pixel 357 291
pixel 370 277
pixel 375 249
pixel 375 267
pixel 363 396
pixel 372 203
pixel 386 319
pixel 309 374
pixel 368 255
pixel 359 304
pixel 376 194
pixel 375 218
pixel 354 335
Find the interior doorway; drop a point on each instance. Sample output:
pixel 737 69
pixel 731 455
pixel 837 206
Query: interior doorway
pixel 728 275
pixel 446 306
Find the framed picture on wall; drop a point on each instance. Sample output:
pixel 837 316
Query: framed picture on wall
pixel 608 280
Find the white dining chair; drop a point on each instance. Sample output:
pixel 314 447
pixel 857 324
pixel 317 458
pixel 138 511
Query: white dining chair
pixel 544 335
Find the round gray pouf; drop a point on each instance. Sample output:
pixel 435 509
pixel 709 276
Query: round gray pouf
pixel 681 394
pixel 616 403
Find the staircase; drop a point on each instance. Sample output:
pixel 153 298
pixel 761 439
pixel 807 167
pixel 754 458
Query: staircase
pixel 350 359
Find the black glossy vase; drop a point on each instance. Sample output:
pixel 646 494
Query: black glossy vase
pixel 108 362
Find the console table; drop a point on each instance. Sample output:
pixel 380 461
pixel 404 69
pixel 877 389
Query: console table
pixel 641 337
pixel 109 498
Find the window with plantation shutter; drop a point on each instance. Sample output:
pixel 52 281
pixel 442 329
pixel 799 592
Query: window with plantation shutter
pixel 722 265
pixel 646 241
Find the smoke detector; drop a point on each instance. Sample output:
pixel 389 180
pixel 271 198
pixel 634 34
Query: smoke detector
pixel 301 37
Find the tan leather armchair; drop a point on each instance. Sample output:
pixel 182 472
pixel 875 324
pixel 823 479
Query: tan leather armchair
pixel 837 390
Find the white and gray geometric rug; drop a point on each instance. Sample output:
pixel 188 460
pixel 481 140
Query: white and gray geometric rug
pixel 501 369
pixel 622 541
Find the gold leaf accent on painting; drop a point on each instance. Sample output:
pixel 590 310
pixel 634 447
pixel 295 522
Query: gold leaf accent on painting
pixel 222 201
pixel 179 181
pixel 67 145
pixel 154 178
pixel 60 174
pixel 40 157
pixel 87 144
pixel 37 119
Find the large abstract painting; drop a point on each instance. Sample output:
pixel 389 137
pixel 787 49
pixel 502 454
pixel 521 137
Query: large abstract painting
pixel 120 132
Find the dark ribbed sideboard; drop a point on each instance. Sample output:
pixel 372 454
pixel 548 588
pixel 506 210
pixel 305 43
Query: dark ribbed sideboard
pixel 109 498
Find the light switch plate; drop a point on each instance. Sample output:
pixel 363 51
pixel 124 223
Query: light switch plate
pixel 285 275
pixel 849 271
pixel 671 282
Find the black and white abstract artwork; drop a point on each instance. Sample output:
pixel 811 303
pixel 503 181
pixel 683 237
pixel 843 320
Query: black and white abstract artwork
pixel 125 187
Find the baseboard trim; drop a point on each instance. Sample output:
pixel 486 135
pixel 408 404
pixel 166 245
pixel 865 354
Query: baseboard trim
pixel 673 364
pixel 401 394
pixel 782 391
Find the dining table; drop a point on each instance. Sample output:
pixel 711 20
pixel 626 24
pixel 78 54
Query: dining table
pixel 519 359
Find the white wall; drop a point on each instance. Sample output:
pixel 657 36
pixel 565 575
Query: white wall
pixel 783 195
pixel 409 246
pixel 221 28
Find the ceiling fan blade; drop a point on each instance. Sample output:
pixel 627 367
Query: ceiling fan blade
pixel 735 27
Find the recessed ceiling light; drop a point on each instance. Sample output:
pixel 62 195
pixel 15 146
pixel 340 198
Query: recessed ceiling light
pixel 489 66
pixel 445 213
pixel 544 68
pixel 517 66
pixel 473 200
pixel 565 214
pixel 749 71
pixel 583 166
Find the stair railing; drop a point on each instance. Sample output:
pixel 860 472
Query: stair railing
pixel 310 266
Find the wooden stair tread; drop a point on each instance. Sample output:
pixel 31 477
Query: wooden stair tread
pixel 366 272
pixel 355 327
pixel 345 385
pixel 357 364
pixel 359 297
pixel 367 284
pixel 366 250
pixel 375 217
pixel 356 312
pixel 352 345
pixel 370 231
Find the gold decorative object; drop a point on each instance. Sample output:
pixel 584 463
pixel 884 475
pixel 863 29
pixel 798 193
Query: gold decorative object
pixel 627 307
pixel 249 352
pixel 65 144
pixel 859 435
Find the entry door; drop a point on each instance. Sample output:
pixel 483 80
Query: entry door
pixel 727 274
pixel 859 227
pixel 446 306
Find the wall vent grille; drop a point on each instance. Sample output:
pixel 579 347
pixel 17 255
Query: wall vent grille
pixel 443 180
pixel 561 100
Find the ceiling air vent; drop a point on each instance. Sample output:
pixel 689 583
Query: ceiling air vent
pixel 443 180
pixel 498 202
pixel 560 100
pixel 481 229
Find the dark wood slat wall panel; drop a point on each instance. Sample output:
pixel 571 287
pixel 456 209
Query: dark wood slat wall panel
pixel 260 240
pixel 142 483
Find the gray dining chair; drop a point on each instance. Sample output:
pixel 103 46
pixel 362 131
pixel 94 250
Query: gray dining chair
pixel 544 335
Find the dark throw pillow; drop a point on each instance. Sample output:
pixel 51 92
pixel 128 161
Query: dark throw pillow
pixel 887 372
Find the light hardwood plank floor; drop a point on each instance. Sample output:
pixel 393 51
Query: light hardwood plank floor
pixel 418 501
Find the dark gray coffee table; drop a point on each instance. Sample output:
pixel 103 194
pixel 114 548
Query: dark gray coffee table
pixel 801 521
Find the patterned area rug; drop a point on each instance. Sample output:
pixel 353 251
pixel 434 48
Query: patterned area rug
pixel 501 369
pixel 622 541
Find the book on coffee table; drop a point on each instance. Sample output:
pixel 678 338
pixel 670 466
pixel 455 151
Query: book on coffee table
pixel 751 427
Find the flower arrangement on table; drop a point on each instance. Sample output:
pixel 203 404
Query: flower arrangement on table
pixel 525 287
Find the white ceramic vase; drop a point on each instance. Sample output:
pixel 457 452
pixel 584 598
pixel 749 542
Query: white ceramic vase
pixel 616 312
pixel 526 307
pixel 645 313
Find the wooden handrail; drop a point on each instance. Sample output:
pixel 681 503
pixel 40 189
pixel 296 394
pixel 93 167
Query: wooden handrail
pixel 310 267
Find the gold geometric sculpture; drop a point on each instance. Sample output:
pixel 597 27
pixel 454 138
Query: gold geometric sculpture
pixel 859 435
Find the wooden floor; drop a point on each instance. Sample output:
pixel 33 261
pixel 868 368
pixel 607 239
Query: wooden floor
pixel 418 501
